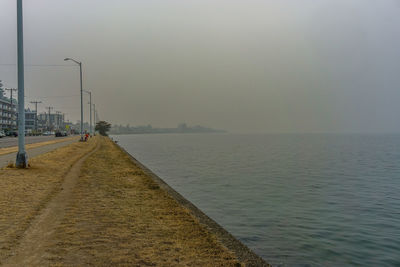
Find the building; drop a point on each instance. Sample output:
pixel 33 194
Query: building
pixel 41 122
pixel 30 120
pixel 51 122
pixel 7 112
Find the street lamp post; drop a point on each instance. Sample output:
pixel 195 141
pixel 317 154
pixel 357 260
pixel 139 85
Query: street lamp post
pixel 49 121
pixel 58 116
pixel 80 72
pixel 90 104
pixel 22 157
pixel 94 117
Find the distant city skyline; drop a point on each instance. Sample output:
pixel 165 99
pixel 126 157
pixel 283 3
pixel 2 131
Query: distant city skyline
pixel 245 66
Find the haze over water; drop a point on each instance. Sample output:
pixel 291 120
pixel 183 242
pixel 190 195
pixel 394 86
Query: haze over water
pixel 293 66
pixel 296 200
pixel 276 66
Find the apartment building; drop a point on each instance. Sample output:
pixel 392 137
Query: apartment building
pixel 7 112
pixel 53 121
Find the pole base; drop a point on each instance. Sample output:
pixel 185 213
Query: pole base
pixel 22 160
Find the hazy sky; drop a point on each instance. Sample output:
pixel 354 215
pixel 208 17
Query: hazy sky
pixel 249 65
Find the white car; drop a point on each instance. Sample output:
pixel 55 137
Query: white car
pixel 2 134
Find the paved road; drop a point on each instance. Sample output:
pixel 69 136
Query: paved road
pixel 13 141
pixel 5 159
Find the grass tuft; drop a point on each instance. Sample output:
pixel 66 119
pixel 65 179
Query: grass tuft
pixel 10 165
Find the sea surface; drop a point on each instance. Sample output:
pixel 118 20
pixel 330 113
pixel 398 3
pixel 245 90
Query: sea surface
pixel 296 200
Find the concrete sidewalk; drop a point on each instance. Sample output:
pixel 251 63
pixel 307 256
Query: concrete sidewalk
pixel 5 159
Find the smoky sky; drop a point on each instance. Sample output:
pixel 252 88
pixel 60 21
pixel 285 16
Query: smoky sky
pixel 246 66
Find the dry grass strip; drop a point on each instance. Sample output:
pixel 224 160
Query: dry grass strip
pixel 24 192
pixel 13 149
pixel 118 216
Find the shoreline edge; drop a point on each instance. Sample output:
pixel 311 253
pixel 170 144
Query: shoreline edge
pixel 243 253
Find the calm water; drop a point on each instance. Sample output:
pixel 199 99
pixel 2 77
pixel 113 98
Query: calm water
pixel 296 200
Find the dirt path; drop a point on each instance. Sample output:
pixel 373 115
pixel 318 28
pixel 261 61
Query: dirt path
pixel 32 248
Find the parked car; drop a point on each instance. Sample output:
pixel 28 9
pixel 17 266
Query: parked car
pixel 61 134
pixel 12 133
pixel 2 134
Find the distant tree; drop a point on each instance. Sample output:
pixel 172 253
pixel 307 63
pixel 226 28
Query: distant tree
pixel 103 127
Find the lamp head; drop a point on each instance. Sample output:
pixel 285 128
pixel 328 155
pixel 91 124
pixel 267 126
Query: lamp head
pixel 66 59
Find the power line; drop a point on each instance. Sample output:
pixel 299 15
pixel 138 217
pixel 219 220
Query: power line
pixel 51 96
pixel 40 65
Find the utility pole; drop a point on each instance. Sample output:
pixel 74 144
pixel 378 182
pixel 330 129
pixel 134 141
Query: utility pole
pixel 63 121
pixel 49 124
pixel 11 103
pixel 94 114
pixel 94 118
pixel 58 119
pixel 91 126
pixel 36 118
pixel 22 157
pixel 97 116
pixel 90 105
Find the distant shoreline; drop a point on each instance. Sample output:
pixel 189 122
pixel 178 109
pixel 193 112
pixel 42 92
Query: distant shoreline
pixel 167 133
pixel 182 128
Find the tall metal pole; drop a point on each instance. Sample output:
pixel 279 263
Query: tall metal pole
pixel 22 157
pixel 91 127
pixel 90 105
pixel 80 70
pixel 36 117
pixel 94 118
pixel 63 120
pixel 49 122
pixel 58 117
